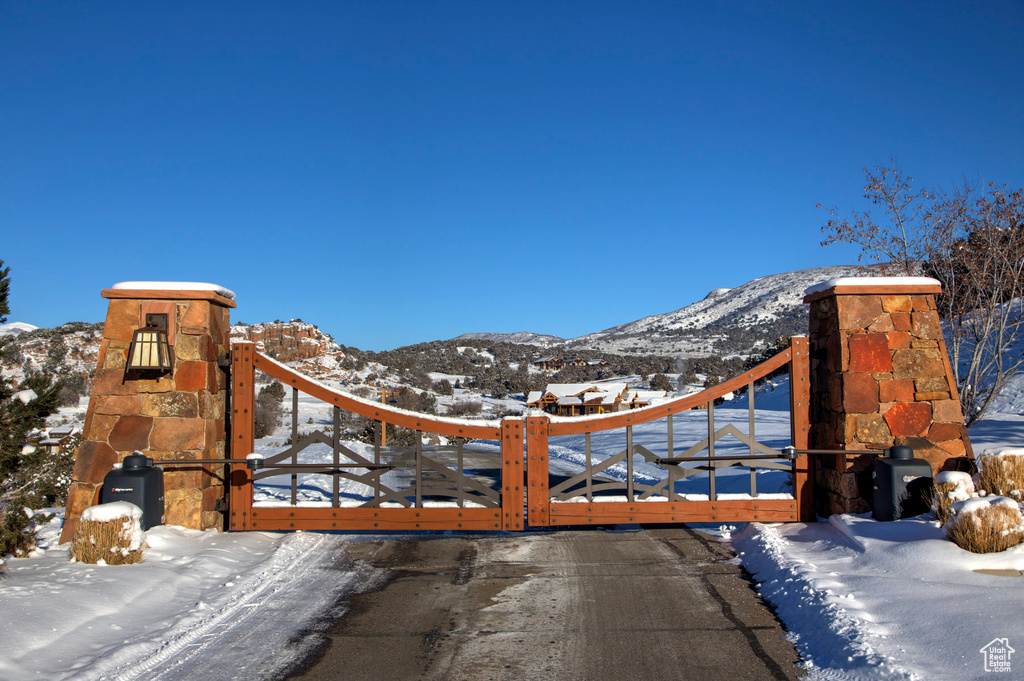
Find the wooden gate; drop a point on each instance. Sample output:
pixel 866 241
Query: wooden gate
pixel 593 496
pixel 470 476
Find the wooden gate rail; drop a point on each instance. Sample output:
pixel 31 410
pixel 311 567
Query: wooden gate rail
pixel 244 516
pixel 542 509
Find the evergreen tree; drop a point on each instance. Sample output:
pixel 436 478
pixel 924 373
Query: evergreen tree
pixel 268 409
pixel 660 382
pixel 28 478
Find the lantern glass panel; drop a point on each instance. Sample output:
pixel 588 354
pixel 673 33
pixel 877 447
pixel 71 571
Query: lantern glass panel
pixel 149 350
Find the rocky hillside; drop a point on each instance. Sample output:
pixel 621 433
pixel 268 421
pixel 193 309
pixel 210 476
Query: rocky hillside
pixel 287 341
pixel 68 352
pixel 69 349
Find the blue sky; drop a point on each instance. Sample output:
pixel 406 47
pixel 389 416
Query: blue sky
pixel 398 172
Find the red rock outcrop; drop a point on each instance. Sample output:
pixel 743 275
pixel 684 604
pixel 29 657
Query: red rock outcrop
pixel 286 341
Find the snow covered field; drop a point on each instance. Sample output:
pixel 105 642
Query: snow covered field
pixel 568 457
pixel 862 600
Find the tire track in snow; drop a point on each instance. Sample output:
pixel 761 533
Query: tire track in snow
pixel 290 583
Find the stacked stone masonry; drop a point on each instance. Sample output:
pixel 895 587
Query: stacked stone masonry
pixel 880 377
pixel 178 416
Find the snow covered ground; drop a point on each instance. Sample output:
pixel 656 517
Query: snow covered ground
pixel 200 605
pixel 862 600
pixel 871 600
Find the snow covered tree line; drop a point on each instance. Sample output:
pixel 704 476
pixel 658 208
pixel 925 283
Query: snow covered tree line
pixel 30 478
pixel 489 366
pixel 970 238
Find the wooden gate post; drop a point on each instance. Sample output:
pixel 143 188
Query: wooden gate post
pixel 537 497
pixel 800 424
pixel 178 414
pixel 880 376
pixel 243 401
pixel 512 473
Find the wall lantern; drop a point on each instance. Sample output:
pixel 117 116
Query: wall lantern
pixel 150 351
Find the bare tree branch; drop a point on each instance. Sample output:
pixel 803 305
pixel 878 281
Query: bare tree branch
pixel 970 240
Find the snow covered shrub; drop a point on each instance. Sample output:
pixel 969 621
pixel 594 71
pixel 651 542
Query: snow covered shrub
pixel 1001 471
pixel 363 391
pixel 950 487
pixel 75 386
pixel 109 534
pixel 465 408
pixel 986 524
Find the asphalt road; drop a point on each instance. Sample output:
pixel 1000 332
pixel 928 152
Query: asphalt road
pixel 588 605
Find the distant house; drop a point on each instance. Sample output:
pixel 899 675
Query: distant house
pixel 584 399
pixel 552 363
pixel 56 438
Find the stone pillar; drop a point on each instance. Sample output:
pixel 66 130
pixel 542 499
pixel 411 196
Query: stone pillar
pixel 880 376
pixel 180 415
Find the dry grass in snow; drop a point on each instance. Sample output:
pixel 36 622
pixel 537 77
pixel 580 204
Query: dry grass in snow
pixel 109 534
pixel 950 487
pixel 1001 472
pixel 986 524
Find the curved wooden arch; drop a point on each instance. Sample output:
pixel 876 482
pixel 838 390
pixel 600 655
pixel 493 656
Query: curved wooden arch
pixel 381 412
pixel 576 426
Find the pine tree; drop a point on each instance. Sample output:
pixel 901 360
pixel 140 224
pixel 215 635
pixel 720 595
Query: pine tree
pixel 27 477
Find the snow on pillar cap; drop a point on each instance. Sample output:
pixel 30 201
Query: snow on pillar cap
pixel 174 286
pixel 874 282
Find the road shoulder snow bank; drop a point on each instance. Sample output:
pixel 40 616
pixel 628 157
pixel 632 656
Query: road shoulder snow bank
pixel 871 600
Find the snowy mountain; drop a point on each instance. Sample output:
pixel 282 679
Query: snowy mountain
pixel 14 328
pixel 726 321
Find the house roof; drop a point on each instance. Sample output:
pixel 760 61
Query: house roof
pixel 603 394
pixel 651 394
pixel 534 396
pixel 646 395
pixel 600 398
pixel 564 389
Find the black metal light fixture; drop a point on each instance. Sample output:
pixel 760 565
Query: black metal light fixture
pixel 150 350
